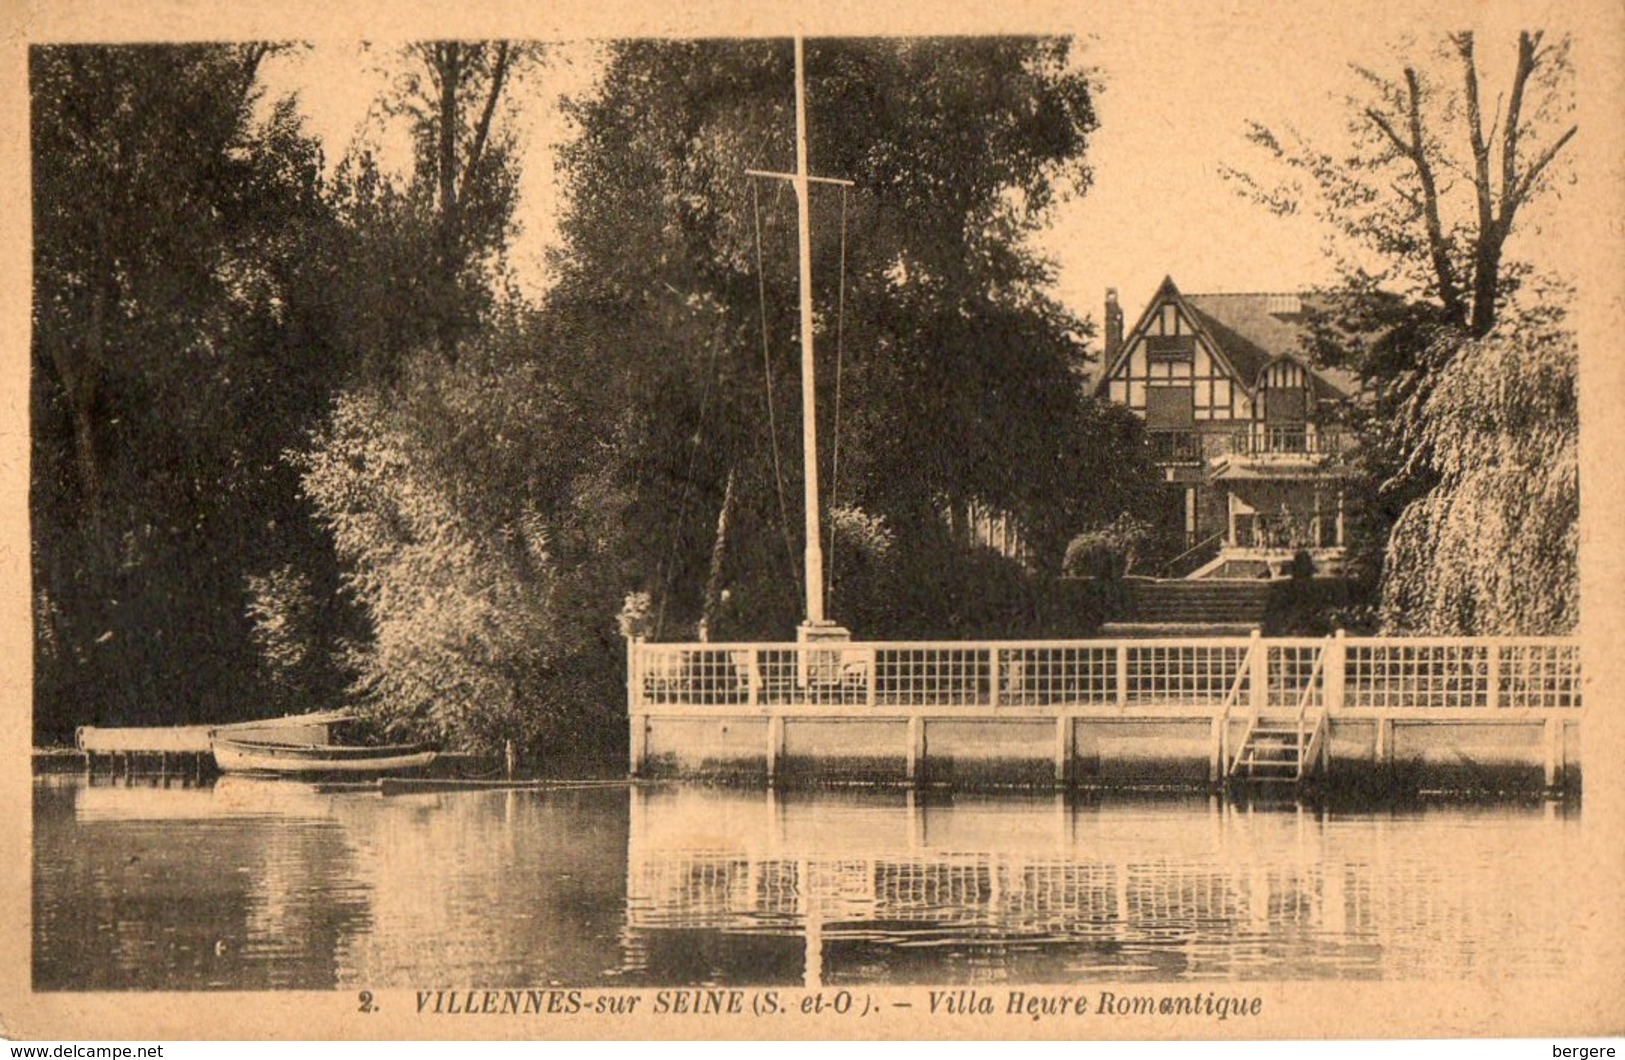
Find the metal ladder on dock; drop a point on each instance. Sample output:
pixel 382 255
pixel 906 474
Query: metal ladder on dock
pixel 1281 747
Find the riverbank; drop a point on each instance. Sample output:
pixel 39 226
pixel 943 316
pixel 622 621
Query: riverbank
pixel 448 767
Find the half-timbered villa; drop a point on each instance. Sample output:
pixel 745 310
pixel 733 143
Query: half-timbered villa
pixel 1243 429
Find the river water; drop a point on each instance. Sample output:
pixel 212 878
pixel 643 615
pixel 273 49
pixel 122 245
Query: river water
pixel 263 884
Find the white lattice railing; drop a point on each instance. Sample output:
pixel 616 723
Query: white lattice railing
pixel 1333 673
pixel 1393 672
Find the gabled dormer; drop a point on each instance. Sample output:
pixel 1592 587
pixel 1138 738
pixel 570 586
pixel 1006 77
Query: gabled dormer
pixel 1170 370
pixel 1215 359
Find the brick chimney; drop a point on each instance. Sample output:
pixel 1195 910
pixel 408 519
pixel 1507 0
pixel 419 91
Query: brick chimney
pixel 1114 325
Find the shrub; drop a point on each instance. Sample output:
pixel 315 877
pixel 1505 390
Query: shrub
pixel 1109 551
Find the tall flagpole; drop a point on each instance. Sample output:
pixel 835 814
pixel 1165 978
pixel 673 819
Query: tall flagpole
pixel 809 388
pixel 816 625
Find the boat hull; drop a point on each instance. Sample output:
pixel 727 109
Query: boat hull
pixel 301 760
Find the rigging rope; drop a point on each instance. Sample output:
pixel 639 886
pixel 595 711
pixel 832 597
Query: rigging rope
pixel 767 366
pixel 835 459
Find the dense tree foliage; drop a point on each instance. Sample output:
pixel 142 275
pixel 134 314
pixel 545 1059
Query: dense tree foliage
pixel 181 341
pixel 453 95
pixel 474 510
pixel 297 442
pixel 1494 547
pixel 465 472
pixel 1425 196
pixel 947 374
pixel 423 249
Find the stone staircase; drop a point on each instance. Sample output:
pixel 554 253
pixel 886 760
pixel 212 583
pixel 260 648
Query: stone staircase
pixel 1190 607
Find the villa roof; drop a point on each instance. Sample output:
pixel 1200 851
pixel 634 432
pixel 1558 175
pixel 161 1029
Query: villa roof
pixel 1252 329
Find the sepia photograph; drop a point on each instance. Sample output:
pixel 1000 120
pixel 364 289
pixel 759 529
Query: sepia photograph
pixel 1059 525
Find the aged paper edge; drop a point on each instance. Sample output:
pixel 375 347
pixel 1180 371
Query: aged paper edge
pixel 1590 1001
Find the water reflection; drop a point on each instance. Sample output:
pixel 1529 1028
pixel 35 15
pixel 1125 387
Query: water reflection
pixel 171 887
pixel 983 890
pixel 256 885
pixel 263 884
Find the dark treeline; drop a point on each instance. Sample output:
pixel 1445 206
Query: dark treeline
pixel 190 323
pixel 298 441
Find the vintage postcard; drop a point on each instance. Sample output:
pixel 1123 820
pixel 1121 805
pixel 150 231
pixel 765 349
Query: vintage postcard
pixel 602 521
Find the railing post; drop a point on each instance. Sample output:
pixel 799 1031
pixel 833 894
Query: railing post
pixel 1492 678
pixel 775 745
pixel 1554 750
pixel 916 747
pixel 1122 674
pixel 1063 747
pixel 637 723
pixel 1335 669
pixel 869 681
pixel 1215 766
pixel 992 675
pixel 639 745
pixel 1259 673
pixel 634 667
pixel 753 677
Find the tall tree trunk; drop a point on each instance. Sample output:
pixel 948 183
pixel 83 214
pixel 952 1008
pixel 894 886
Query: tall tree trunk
pixel 1486 285
pixel 458 165
pixel 78 378
pixel 449 59
pixel 711 608
pixel 1488 237
pixel 1516 184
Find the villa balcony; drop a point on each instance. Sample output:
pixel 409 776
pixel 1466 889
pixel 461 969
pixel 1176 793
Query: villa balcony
pixel 1282 452
pixel 1175 447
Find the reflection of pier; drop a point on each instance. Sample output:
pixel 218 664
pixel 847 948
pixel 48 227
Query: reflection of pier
pixel 1445 712
pixel 1021 888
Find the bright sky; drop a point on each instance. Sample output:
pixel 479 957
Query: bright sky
pixel 338 86
pixel 1178 92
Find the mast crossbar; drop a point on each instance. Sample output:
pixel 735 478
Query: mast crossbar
pixel 794 176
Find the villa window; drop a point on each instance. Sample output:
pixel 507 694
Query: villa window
pixel 1170 408
pixel 1162 349
pixel 1286 405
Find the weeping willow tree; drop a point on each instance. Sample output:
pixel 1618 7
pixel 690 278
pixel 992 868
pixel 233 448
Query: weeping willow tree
pixel 1493 546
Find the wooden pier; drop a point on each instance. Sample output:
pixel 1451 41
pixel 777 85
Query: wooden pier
pixel 1452 713
pixel 184 750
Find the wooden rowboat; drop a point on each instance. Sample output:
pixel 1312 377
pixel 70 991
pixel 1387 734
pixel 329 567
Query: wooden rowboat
pixel 268 758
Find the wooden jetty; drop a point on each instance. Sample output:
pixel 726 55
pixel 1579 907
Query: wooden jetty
pixel 1398 713
pixel 184 750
